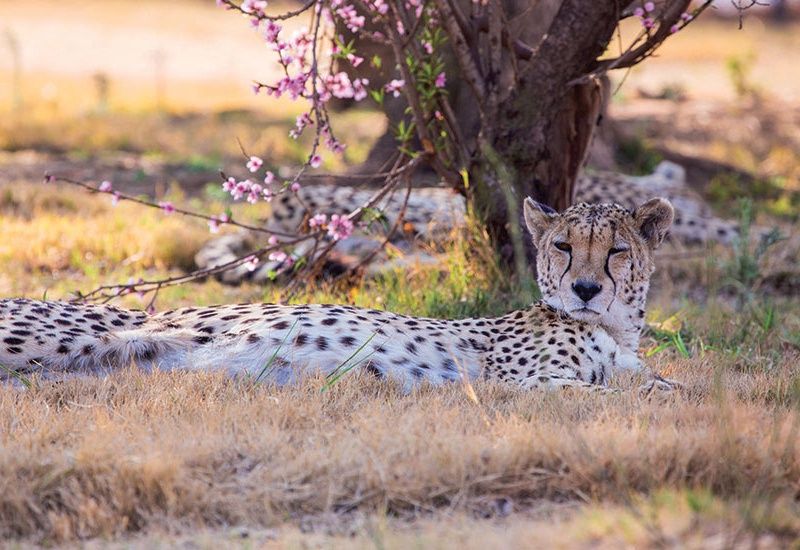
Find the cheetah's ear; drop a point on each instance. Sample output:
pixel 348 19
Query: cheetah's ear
pixel 538 218
pixel 654 219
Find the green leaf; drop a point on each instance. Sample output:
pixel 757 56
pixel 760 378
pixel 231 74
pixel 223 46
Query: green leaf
pixel 377 96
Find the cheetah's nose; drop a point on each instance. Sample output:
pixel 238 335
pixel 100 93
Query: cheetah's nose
pixel 585 290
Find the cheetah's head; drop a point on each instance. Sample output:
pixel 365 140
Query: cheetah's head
pixel 594 261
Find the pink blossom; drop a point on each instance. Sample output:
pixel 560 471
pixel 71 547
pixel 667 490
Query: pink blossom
pixel 335 146
pixel 105 187
pixel 441 80
pixel 254 164
pixel 428 47
pixel 215 222
pixel 273 240
pixel 339 85
pixel 315 161
pixel 251 263
pixel 317 220
pixel 115 198
pixel 256 87
pixel 292 86
pixel 255 7
pixel 254 194
pixel 269 177
pixel 340 227
pixel 359 88
pixel 649 6
pixel 648 23
pixel 354 60
pixel 229 184
pixel 394 87
pixel 167 207
pixel 295 187
pixel 271 32
pixel 241 189
pixel 277 256
pixel 687 16
pixel 380 6
pixel 638 12
pixel 352 20
pixel 300 124
pixel 674 28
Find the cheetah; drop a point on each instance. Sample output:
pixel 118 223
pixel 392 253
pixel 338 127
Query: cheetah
pixel 433 212
pixel 595 266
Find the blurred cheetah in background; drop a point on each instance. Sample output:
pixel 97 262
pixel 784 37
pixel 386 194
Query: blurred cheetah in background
pixel 433 212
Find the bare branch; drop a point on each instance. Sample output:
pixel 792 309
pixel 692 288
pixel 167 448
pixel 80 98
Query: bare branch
pixel 632 56
pixel 280 17
pixel 151 204
pixel 469 68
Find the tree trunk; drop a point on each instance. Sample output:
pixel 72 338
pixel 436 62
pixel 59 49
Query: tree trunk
pixel 541 159
pixel 544 126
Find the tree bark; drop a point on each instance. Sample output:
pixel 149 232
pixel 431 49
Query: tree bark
pixel 544 126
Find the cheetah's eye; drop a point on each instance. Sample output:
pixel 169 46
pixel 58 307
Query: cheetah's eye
pixel 564 247
pixel 617 250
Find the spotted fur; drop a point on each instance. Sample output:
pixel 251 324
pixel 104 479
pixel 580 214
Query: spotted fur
pixel 432 212
pixel 573 337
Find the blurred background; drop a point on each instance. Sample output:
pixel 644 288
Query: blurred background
pixel 170 82
pixel 156 97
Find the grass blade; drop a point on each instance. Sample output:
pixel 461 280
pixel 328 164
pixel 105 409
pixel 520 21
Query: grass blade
pixel 19 376
pixel 268 366
pixel 341 369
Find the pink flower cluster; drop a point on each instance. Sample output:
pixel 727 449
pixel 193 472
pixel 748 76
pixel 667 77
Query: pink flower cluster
pixel 106 187
pixel 281 257
pixel 394 86
pixel 644 15
pixel 349 15
pixel 340 227
pixel 317 220
pixel 339 85
pixel 216 221
pixel 247 188
pixel 256 7
pixel 251 263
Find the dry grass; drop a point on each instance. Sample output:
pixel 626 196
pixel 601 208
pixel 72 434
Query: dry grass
pixel 107 457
